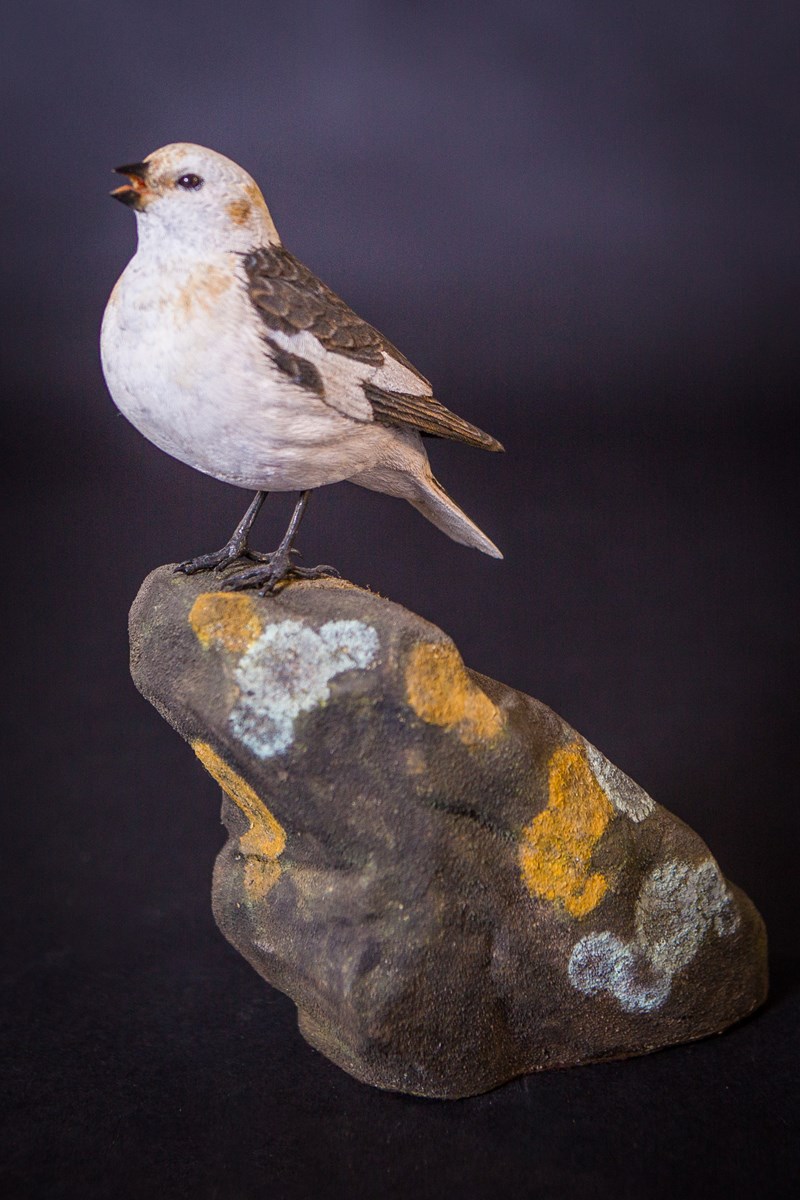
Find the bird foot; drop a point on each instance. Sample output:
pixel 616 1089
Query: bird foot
pixel 218 559
pixel 277 569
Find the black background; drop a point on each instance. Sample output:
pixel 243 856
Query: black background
pixel 579 219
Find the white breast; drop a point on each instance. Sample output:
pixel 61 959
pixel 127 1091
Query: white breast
pixel 184 358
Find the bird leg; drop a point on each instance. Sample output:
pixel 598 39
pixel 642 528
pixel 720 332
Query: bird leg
pixel 235 548
pixel 278 566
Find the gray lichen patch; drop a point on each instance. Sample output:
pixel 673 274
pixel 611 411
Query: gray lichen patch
pixel 287 671
pixel 625 795
pixel 678 907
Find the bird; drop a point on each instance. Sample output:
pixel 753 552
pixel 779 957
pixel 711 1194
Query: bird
pixel 228 353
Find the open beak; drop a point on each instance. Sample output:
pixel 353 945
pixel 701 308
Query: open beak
pixel 133 194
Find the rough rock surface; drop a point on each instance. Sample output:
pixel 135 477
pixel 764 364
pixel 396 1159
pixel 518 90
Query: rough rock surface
pixel 452 884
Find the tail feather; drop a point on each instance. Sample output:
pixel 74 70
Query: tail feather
pixel 405 472
pixel 433 502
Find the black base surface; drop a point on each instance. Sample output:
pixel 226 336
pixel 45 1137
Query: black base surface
pixel 644 595
pixel 580 221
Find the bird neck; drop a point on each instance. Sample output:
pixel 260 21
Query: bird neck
pixel 159 240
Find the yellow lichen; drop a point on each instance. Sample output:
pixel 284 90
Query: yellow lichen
pixel 265 840
pixel 441 692
pixel 260 876
pixel 225 618
pixel 556 850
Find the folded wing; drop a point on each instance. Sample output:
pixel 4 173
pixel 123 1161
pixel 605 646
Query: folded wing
pixel 291 300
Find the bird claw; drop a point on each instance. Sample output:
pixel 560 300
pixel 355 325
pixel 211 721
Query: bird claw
pixel 214 561
pixel 279 570
pixel 218 560
pixel 323 571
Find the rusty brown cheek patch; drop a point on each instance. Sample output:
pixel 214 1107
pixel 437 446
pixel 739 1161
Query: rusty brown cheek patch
pixel 239 211
pixel 253 193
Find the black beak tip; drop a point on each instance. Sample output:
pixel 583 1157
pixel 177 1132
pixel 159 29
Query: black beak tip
pixel 133 170
pixel 127 196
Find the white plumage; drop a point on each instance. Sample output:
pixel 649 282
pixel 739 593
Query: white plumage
pixel 259 392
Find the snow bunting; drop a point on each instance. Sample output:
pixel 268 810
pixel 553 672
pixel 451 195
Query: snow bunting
pixel 230 355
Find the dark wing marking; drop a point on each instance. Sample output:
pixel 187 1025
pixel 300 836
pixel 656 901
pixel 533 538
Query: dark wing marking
pixel 290 298
pixel 426 414
pixel 299 370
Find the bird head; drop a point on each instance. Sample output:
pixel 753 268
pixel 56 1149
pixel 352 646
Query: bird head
pixel 190 195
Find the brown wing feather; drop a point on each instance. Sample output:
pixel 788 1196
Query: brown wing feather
pixel 289 298
pixel 427 415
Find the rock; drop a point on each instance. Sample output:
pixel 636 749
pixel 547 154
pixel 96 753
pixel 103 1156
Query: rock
pixel 453 886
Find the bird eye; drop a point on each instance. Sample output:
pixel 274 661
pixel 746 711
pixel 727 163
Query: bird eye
pixel 189 183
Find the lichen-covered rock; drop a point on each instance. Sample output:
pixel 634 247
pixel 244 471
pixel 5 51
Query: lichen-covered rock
pixel 452 885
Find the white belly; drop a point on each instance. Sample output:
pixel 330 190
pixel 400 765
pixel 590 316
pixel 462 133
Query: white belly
pixel 185 361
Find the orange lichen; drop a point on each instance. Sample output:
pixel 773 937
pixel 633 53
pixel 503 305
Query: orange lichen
pixel 555 854
pixel 265 840
pixel 227 619
pixel 260 876
pixel 441 693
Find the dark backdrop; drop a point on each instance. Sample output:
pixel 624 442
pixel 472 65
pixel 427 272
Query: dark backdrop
pixel 580 220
